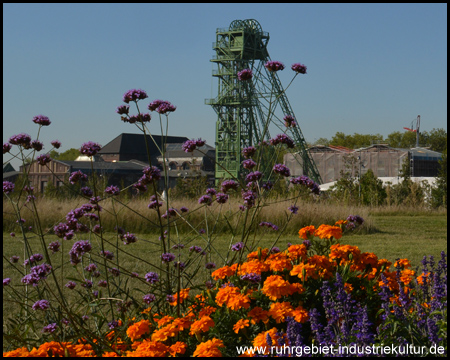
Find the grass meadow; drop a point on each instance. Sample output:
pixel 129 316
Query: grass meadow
pixel 390 233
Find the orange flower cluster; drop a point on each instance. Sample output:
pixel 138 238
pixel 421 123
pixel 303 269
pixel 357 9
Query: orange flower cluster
pixel 253 296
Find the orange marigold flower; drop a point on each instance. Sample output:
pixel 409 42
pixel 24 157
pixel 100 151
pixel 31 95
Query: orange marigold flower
pixel 110 354
pixel 297 251
pixel 328 231
pixel 279 262
pixel 323 264
pixel 184 294
pixel 148 348
pixel 138 329
pixel 178 348
pixel 164 320
pixel 224 272
pixel 423 278
pixel 348 288
pixel 340 222
pixel 257 314
pixel 407 275
pixel 304 271
pixel 208 310
pixel 209 348
pixel 201 325
pixel 280 311
pixel 307 232
pixel 260 254
pixel 276 287
pixel 300 314
pixel 253 266
pixel 343 251
pixel 402 263
pixel 241 324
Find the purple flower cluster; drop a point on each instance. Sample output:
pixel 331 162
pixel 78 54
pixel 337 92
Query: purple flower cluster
pixel 70 285
pixel 37 145
pixel 62 230
pixel 282 139
pixel 22 139
pixel 129 238
pixel 114 271
pixel 210 265
pixel 293 209
pixel 221 198
pixel 299 68
pixel 282 170
pixel 123 110
pixel 78 250
pixel 6 147
pixel 36 274
pixel 184 209
pixel 41 305
pixel 274 66
pixel 50 328
pixel 245 75
pixel 112 190
pixel 54 246
pixel 149 298
pixel 152 277
pixel 306 181
pixel 248 152
pixel 6 281
pixel 76 176
pixel 269 225
pixel 107 254
pixel 8 187
pixel 41 120
pixel 161 106
pixel 56 144
pixel 249 198
pixel 229 184
pixel 134 95
pixel 251 277
pixel 154 203
pixel 355 218
pixel 289 121
pixel 248 164
pixel 211 192
pixel 167 257
pixel 205 199
pixel 191 145
pixel 238 246
pixel 33 259
pixel 196 249
pixel 90 148
pixel 253 176
pixel 90 268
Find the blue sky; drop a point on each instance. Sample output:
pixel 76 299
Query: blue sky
pixel 372 68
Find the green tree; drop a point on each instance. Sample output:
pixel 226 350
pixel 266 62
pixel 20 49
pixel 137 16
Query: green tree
pixel 372 190
pixel 346 189
pixel 436 139
pixel 68 155
pixel 439 192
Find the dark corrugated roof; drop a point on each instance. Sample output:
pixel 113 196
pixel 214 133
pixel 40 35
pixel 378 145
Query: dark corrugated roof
pixel 105 165
pixel 127 143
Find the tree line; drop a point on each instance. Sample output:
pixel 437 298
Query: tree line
pixel 436 140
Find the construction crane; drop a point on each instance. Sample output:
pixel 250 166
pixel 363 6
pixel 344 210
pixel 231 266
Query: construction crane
pixel 416 130
pixel 248 111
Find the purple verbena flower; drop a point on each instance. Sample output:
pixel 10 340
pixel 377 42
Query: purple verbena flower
pixel 282 139
pixel 245 74
pixel 14 259
pixel 205 199
pixel 248 164
pixel 281 170
pixel 90 148
pixel 8 187
pixel 248 152
pixel 6 147
pixel 41 120
pixel 252 277
pixel 134 95
pixel 238 246
pixel 221 198
pixel 90 268
pixel 37 145
pixel 50 328
pixel 167 257
pixel 76 176
pixel 56 144
pixel 87 191
pixel 152 277
pixel 253 176
pixel 196 249
pixel 184 209
pixel 71 285
pixel 41 305
pixel 149 298
pixel 6 281
pixel 293 209
pixel 87 283
pixel 22 139
pixel 210 265
pixel 299 68
pixel 54 246
pixel 289 121
pixel 112 190
pixel 123 109
pixel 229 184
pixel 129 238
pixel 274 66
pixel 43 159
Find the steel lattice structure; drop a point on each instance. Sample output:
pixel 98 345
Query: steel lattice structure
pixel 247 109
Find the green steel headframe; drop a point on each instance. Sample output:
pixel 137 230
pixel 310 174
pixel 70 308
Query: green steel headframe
pixel 245 109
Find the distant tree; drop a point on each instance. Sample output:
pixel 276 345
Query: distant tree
pixel 439 192
pixel 322 141
pixel 356 140
pixel 436 139
pixel 68 155
pixel 372 190
pixel 346 189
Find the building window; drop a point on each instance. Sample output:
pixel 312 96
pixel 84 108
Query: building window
pixel 172 165
pixel 186 166
pixel 43 186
